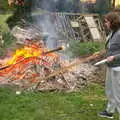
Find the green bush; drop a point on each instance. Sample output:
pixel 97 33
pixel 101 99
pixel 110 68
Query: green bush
pixel 77 48
pixel 3 25
pixel 8 43
pixel 8 39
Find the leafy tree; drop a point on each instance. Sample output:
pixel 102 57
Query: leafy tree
pixel 4 7
pixel 58 5
pixel 20 12
pixel 76 5
pixel 103 6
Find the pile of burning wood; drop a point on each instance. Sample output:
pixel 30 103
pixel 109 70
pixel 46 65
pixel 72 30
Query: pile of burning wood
pixel 28 64
pixel 34 67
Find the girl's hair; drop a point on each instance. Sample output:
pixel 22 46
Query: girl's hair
pixel 114 20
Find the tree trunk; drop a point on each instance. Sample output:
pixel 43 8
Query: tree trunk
pixel 113 4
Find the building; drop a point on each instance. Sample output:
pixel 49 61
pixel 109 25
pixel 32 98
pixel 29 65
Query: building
pixel 117 3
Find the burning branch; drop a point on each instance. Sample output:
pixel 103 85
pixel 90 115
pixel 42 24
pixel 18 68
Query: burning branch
pixel 54 50
pixel 41 54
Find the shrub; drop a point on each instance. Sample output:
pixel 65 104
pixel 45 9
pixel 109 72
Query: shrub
pixel 8 39
pixel 77 48
pixel 8 43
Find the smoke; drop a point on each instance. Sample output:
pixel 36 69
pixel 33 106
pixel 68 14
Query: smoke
pixel 45 21
pixel 58 5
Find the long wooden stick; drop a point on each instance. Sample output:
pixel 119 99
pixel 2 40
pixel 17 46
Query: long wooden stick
pixel 65 69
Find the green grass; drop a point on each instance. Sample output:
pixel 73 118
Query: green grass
pixel 3 25
pixel 82 105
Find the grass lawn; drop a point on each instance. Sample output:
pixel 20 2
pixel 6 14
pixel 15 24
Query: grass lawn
pixel 3 25
pixel 82 105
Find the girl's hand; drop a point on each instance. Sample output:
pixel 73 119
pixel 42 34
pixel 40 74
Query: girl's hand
pixel 110 58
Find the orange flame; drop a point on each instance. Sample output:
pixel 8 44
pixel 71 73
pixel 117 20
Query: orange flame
pixel 20 63
pixel 29 51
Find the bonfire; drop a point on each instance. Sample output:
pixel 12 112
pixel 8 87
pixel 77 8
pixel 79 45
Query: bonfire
pixel 29 63
pixel 34 67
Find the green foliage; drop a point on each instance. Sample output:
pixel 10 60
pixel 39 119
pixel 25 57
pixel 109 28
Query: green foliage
pixel 8 39
pixel 20 12
pixel 106 6
pixel 8 42
pixel 6 35
pixel 3 25
pixel 4 7
pixel 77 48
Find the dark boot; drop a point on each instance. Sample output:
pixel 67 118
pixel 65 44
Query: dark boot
pixel 106 114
